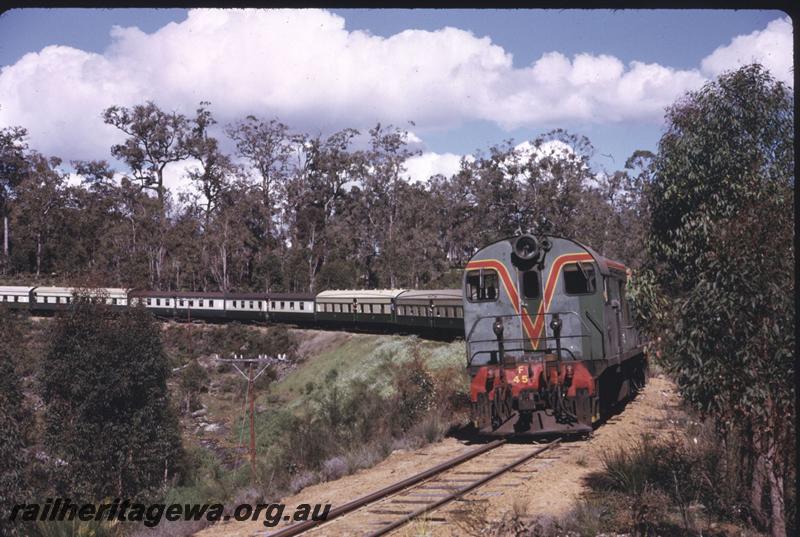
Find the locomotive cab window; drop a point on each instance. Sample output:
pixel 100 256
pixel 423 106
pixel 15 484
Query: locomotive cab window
pixel 530 284
pixel 579 279
pixel 482 285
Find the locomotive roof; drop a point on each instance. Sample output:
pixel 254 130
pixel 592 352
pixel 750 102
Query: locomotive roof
pixel 604 264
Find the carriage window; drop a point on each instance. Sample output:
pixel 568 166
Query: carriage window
pixel 291 305
pixel 251 304
pixel 149 301
pixel 201 303
pixel 579 279
pixel 165 302
pixel 210 303
pixel 191 303
pixel 482 285
pixel 302 305
pixel 530 284
pixel 459 312
pixel 180 302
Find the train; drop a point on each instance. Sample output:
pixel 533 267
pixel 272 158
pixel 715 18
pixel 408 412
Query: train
pixel 550 343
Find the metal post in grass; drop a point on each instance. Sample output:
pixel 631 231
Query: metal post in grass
pixel 260 364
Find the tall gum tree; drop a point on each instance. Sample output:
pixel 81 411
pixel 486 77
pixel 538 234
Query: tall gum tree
pixel 719 282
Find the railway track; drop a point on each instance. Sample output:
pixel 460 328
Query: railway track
pixel 414 498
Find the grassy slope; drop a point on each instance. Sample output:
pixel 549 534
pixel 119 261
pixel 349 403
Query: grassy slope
pixel 364 357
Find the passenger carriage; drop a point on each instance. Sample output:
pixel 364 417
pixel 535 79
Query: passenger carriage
pixel 367 309
pixel 51 299
pixel 295 308
pixel 15 297
pixel 436 312
pixel 246 306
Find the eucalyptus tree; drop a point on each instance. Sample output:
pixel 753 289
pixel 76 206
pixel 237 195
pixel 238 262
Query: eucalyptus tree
pixel 37 213
pixel 267 147
pixel 155 138
pixel 315 195
pixel 13 168
pixel 108 414
pixel 215 169
pixel 383 181
pixel 719 289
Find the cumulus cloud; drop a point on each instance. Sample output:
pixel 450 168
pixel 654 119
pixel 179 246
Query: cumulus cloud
pixel 771 47
pixel 306 68
pixel 420 168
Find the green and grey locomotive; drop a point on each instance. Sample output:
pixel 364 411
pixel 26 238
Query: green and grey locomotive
pixel 549 338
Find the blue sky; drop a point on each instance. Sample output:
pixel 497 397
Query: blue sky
pixel 493 75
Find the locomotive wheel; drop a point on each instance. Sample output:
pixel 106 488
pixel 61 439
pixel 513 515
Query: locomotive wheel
pixel 483 412
pixel 502 407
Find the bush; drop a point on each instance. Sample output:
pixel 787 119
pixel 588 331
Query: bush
pixel 669 479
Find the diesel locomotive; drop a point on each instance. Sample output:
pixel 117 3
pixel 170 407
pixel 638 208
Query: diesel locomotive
pixel 549 339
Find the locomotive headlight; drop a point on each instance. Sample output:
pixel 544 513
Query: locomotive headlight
pixel 498 327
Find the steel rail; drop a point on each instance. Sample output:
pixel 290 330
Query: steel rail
pixel 460 492
pixel 298 528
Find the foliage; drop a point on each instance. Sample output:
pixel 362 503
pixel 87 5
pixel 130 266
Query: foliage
pixel 289 211
pixel 719 285
pixel 15 471
pixel 110 430
pixel 193 379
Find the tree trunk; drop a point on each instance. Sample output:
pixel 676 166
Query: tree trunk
pixel 757 487
pixel 5 236
pixel 38 254
pixel 776 493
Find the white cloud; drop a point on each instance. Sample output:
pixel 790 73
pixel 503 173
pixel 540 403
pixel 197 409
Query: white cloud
pixel 306 68
pixel 771 47
pixel 420 168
